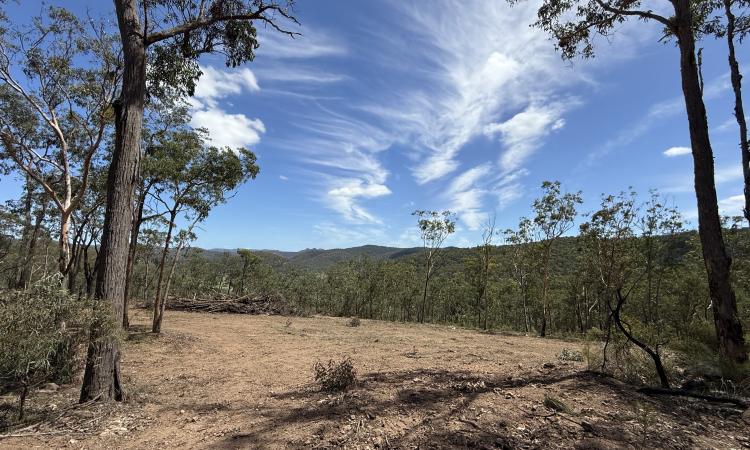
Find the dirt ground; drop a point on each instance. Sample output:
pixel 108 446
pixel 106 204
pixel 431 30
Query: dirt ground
pixel 232 381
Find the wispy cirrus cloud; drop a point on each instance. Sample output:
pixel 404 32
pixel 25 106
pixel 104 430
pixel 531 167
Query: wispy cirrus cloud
pixel 465 195
pixel 655 115
pixel 311 43
pixel 476 80
pixel 342 152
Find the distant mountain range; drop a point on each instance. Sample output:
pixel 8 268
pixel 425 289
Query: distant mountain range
pixel 320 259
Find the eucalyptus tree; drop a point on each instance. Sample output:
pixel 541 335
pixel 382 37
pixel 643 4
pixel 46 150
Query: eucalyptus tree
pixel 573 24
pixel 193 178
pixel 478 271
pixel 555 214
pixel 434 229
pixel 161 43
pixel 522 263
pixel 627 244
pixel 58 78
pixel 249 259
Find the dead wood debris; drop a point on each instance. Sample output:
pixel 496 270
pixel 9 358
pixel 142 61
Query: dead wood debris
pixel 268 304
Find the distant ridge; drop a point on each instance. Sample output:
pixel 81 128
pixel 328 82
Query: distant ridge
pixel 321 259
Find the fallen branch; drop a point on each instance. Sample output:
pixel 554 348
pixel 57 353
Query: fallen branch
pixel 684 393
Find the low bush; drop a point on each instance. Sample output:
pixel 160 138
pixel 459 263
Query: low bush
pixel 353 322
pixel 335 376
pixel 570 355
pixel 41 332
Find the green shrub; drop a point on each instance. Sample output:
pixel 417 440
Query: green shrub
pixel 354 322
pixel 41 331
pixel 335 376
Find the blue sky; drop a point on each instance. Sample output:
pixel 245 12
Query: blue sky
pixel 383 107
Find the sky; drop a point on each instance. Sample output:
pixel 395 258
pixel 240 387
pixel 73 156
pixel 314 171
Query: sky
pixel 383 107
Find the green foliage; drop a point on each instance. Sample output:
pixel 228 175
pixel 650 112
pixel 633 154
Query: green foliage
pixel 41 331
pixel 335 376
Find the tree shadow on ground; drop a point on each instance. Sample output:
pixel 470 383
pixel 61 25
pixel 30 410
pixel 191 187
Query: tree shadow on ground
pixel 436 409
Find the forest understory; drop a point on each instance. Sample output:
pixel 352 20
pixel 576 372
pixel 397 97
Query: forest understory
pixel 220 381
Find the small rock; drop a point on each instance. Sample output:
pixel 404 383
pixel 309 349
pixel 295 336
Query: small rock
pixel 587 426
pixel 53 387
pixel 746 416
pixel 548 365
pixel 182 411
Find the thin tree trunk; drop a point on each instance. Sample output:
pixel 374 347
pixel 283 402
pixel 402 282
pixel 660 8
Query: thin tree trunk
pixel 660 371
pixel 545 283
pixel 30 248
pixel 159 298
pixel 717 261
pixel 64 257
pixel 102 375
pixel 739 111
pixel 133 247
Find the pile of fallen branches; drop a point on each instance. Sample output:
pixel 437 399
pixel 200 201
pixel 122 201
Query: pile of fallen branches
pixel 268 304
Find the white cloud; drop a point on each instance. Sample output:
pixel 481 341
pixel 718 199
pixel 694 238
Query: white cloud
pixel 297 74
pixel 655 116
pixel 228 130
pixel 677 151
pixel 465 195
pixel 310 45
pixel 471 80
pixel 341 153
pixel 522 134
pixel 732 206
pixel 283 178
pixel 225 129
pixel 215 84
pixel 332 235
pixel 343 199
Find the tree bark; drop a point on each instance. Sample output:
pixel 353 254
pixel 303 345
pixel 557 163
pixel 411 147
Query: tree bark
pixel 102 375
pixel 717 261
pixel 739 110
pixel 64 257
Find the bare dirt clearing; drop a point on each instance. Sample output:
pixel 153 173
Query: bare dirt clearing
pixel 231 381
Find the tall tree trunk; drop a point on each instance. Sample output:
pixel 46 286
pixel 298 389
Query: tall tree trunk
pixel 739 110
pixel 102 375
pixel 717 261
pixel 159 298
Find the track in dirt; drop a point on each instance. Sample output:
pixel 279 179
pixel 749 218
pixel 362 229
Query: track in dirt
pixel 235 381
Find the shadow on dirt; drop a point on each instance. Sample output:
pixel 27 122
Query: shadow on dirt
pixel 438 409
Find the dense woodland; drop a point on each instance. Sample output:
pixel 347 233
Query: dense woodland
pixel 94 125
